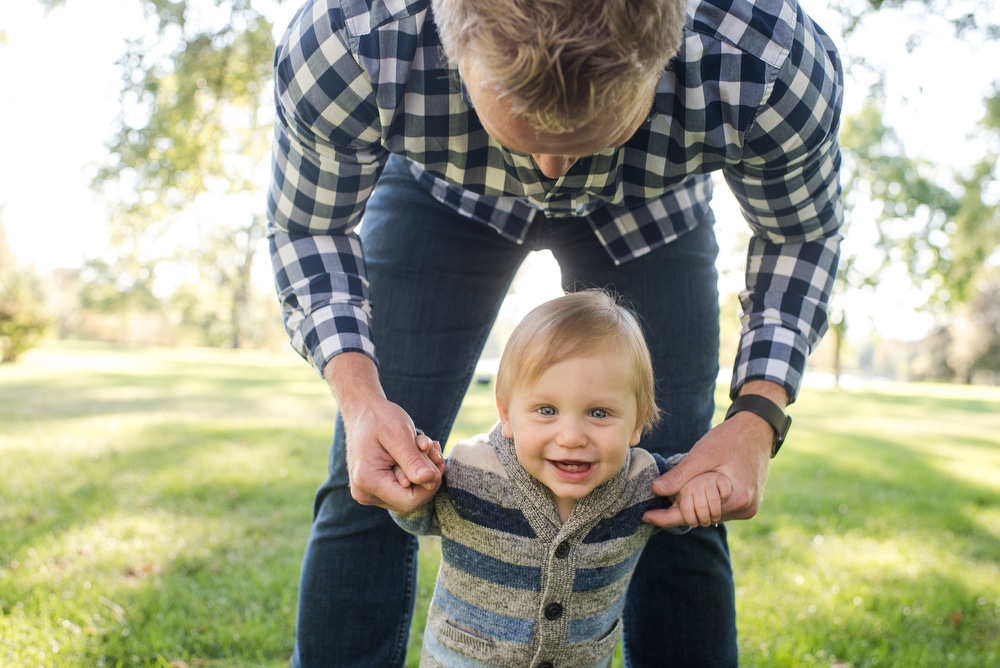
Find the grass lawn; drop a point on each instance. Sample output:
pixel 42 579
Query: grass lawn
pixel 154 505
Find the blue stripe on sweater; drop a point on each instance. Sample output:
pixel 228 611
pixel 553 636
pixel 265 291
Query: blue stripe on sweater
pixel 621 525
pixel 591 628
pixel 490 515
pixel 489 624
pixel 487 568
pixel 589 579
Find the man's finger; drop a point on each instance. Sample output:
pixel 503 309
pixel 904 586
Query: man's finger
pixel 416 465
pixel 670 483
pixel 386 492
pixel 401 477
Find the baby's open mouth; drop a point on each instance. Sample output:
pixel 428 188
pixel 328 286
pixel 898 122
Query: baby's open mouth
pixel 573 467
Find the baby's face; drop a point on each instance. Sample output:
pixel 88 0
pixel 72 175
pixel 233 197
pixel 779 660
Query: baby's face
pixel 572 429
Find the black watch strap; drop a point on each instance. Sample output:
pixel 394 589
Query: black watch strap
pixel 767 409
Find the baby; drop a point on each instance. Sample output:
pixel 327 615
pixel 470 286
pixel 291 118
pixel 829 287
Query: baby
pixel 541 519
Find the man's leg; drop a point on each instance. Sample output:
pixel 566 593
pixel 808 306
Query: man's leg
pixel 437 282
pixel 680 609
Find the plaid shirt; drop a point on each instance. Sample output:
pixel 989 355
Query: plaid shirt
pixel 755 93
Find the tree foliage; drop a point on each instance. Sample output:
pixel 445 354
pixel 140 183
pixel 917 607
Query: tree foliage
pixel 942 225
pixel 193 93
pixel 978 222
pixel 23 317
pixel 194 129
pixel 968 17
pixel 906 199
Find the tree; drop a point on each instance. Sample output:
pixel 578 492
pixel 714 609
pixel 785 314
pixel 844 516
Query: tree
pixel 898 213
pixel 974 336
pixel 23 319
pixel 975 333
pixel 942 226
pixel 967 17
pixel 194 127
pixel 976 236
pixel 227 256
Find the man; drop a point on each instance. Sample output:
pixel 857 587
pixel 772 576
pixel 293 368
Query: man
pixel 471 132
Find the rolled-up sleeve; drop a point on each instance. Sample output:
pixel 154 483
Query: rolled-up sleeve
pixel 788 186
pixel 326 158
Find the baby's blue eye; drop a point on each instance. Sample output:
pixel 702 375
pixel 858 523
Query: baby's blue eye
pixel 599 413
pixel 547 410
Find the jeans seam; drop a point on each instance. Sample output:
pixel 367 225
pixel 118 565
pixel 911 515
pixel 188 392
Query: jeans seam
pixel 402 639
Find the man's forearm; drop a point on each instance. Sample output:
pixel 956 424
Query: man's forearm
pixel 766 388
pixel 353 379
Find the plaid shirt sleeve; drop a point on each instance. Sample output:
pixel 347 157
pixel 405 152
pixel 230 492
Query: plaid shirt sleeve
pixel 759 99
pixel 789 189
pixel 326 158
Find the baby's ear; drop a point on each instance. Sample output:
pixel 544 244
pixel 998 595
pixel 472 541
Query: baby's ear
pixel 636 435
pixel 504 414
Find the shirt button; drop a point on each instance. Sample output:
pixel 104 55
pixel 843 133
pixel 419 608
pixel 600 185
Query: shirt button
pixel 553 611
pixel 562 550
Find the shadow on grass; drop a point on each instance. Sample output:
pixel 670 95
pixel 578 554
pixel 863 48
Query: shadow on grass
pixel 171 467
pixel 158 508
pixel 107 381
pixel 184 544
pixel 886 538
pixel 924 621
pixel 892 492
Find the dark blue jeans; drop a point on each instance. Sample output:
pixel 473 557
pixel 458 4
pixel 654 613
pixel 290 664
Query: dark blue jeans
pixel 437 282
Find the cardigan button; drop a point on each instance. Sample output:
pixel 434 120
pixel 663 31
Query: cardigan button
pixel 553 611
pixel 546 664
pixel 562 550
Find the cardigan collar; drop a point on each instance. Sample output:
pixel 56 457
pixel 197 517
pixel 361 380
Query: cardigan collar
pixel 541 507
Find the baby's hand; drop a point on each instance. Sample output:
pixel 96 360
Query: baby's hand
pixel 429 447
pixel 700 499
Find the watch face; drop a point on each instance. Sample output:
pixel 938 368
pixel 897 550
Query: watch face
pixel 784 431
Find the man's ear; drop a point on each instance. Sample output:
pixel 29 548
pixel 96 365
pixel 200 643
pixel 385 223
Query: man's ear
pixel 504 414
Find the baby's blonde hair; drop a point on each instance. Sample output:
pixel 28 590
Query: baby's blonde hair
pixel 562 63
pixel 577 325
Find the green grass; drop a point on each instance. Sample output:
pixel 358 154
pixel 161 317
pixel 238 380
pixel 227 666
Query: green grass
pixel 154 505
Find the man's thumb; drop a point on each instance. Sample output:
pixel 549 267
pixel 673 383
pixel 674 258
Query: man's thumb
pixel 670 483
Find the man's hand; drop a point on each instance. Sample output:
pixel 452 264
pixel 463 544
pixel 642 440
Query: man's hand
pixel 736 454
pixel 429 447
pixel 381 440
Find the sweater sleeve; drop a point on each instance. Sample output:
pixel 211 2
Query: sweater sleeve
pixel 420 522
pixel 664 464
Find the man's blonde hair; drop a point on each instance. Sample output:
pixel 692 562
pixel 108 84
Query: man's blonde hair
pixel 577 325
pixel 562 63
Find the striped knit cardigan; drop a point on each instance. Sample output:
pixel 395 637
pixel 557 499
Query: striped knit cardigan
pixel 517 587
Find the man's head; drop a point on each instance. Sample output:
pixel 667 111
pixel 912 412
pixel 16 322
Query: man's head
pixel 561 64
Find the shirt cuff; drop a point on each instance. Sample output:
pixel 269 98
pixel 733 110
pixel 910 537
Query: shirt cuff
pixel 331 330
pixel 771 353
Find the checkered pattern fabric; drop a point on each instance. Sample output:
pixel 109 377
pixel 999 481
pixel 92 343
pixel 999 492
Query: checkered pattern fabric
pixel 755 93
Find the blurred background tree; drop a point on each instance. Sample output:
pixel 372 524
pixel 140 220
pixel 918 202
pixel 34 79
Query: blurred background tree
pixel 192 139
pixel 184 176
pixel 24 317
pixel 187 168
pixel 937 225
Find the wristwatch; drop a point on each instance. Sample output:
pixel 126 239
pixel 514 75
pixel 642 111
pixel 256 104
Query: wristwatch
pixel 767 409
